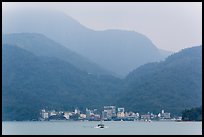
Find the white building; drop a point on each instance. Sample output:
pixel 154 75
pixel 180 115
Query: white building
pixel 53 112
pixel 67 115
pixel 76 111
pixel 167 115
pixel 45 115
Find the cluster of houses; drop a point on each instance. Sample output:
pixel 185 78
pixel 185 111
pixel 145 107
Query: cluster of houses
pixel 109 113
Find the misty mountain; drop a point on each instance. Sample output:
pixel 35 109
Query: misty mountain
pixel 30 83
pixel 172 85
pixel 119 51
pixel 40 45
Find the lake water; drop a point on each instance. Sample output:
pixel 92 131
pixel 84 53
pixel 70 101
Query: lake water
pixel 112 128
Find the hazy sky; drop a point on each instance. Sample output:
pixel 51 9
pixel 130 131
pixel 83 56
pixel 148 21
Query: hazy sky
pixel 170 25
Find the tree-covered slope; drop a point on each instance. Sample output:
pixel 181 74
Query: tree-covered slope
pixel 172 85
pixel 193 114
pixel 31 82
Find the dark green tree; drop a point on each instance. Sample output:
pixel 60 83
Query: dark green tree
pixel 193 114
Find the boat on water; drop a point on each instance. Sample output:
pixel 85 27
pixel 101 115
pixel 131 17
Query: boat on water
pixel 101 125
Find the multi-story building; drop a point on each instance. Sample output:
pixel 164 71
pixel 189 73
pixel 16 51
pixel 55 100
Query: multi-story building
pixel 121 113
pixel 44 114
pixel 110 110
pixel 166 116
pixel 104 115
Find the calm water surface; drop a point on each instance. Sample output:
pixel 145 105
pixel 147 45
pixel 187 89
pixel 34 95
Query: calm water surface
pixel 112 128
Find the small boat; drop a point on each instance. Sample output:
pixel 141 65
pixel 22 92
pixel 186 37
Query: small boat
pixel 101 125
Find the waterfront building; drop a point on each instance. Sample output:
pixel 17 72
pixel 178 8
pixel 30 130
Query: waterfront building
pixel 76 111
pixel 145 117
pixel 67 115
pixel 44 115
pixel 88 113
pixel 104 115
pixel 166 115
pixel 120 114
pixel 110 110
pixel 83 116
pixel 53 113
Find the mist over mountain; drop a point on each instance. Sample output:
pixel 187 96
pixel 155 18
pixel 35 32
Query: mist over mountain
pixel 172 85
pixel 118 51
pixel 40 45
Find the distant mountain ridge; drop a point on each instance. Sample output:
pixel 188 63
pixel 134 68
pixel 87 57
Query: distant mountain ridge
pixel 40 45
pixel 118 51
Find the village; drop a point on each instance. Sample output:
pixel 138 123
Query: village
pixel 109 113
